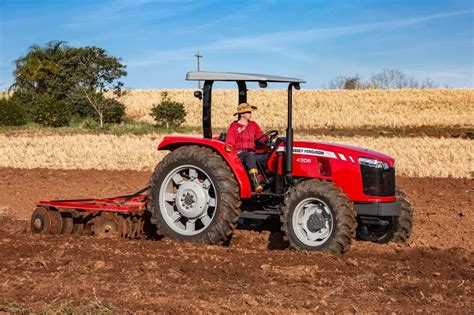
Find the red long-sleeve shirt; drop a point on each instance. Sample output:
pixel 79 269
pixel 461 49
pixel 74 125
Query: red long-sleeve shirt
pixel 243 137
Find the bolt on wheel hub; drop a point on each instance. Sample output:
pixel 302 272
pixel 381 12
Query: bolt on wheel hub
pixel 192 199
pixel 315 222
pixel 188 199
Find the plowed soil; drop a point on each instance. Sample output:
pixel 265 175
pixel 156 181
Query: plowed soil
pixel 83 274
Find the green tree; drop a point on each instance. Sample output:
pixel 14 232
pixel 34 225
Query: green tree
pixel 63 72
pixel 168 113
pixel 98 73
pixel 35 70
pixel 352 83
pixel 49 112
pixel 12 113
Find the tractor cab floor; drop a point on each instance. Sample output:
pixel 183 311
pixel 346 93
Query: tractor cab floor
pixel 69 273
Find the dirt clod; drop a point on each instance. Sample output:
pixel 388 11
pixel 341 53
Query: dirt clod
pixel 250 300
pixel 99 264
pixel 437 297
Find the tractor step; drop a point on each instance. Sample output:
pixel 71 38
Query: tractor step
pixel 259 215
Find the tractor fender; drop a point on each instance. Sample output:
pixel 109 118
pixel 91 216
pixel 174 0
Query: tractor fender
pixel 173 142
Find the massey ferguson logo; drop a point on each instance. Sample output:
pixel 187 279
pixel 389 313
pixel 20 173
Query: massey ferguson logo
pixel 314 152
pixel 307 151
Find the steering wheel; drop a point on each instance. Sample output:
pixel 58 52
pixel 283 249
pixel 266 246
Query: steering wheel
pixel 270 136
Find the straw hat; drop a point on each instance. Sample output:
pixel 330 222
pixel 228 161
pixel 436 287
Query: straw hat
pixel 244 108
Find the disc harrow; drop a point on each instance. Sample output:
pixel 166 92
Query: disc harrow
pixel 117 217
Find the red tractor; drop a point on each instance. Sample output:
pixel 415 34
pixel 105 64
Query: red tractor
pixel 322 194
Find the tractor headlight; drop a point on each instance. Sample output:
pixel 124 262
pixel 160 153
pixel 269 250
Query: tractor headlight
pixel 373 163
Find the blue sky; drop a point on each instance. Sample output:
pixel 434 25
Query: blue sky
pixel 315 40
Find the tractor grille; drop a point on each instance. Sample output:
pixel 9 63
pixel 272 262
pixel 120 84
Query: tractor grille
pixel 378 182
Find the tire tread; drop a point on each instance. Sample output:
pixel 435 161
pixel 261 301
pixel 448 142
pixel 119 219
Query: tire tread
pixel 345 222
pixel 229 203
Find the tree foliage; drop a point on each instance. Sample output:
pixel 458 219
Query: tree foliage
pixel 63 72
pixel 103 109
pixel 393 79
pixel 50 112
pixel 12 113
pixel 25 100
pixel 384 80
pixel 39 68
pixel 168 113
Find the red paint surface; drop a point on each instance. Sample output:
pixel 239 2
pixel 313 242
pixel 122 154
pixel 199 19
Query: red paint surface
pixel 174 142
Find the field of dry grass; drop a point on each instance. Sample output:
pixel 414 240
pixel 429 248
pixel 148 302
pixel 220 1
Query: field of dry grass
pixel 416 156
pixel 419 156
pixel 323 108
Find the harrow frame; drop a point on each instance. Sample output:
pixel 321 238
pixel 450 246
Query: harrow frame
pixel 120 216
pixel 135 202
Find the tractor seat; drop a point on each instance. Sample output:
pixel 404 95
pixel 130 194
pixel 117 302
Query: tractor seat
pixel 222 136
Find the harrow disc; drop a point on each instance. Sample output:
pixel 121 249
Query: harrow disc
pixel 126 227
pixel 140 224
pixel 56 222
pixel 67 224
pixel 77 222
pixel 45 221
pixel 40 221
pixel 107 225
pixel 135 226
pixel 77 227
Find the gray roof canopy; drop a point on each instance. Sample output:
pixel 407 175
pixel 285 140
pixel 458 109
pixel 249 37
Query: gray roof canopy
pixel 235 76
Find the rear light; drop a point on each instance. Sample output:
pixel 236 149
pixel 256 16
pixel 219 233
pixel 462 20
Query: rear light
pixel 228 148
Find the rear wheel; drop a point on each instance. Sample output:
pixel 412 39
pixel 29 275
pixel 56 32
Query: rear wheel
pixel 395 229
pixel 194 196
pixel 318 216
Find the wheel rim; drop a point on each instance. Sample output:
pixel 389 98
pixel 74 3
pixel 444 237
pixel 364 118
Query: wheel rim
pixel 312 222
pixel 188 200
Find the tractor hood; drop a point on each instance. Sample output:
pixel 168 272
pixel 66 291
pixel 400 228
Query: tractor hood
pixel 339 151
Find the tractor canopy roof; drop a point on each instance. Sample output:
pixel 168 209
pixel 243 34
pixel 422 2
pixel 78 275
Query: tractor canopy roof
pixel 235 76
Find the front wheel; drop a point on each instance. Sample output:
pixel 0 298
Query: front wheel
pixel 318 216
pixel 396 229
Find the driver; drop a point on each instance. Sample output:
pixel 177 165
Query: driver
pixel 241 135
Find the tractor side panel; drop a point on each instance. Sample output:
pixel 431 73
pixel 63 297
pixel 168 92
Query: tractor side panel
pixel 338 165
pixel 173 142
pixel 303 166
